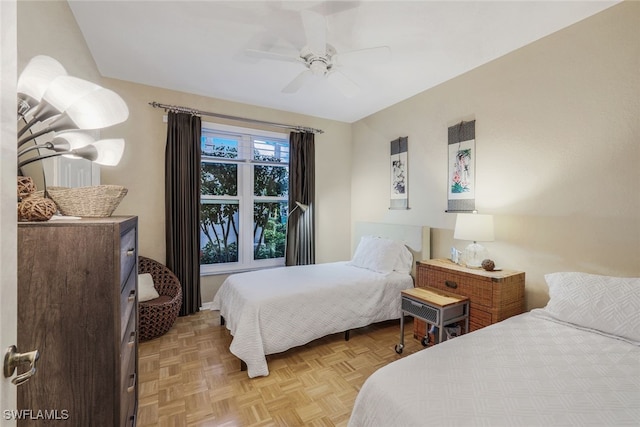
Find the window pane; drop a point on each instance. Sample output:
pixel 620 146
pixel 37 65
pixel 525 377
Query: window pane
pixel 269 229
pixel 219 179
pixel 219 223
pixel 271 150
pixel 271 181
pixel 214 145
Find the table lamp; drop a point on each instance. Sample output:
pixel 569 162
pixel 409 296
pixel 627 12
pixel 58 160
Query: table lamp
pixel 477 228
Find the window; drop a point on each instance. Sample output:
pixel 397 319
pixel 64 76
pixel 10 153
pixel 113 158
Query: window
pixel 244 198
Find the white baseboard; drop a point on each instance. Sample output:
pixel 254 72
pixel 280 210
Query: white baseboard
pixel 207 306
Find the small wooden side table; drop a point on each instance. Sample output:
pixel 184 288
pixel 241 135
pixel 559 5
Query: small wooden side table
pixel 434 306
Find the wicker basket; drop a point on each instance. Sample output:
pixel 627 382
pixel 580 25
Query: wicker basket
pixel 94 201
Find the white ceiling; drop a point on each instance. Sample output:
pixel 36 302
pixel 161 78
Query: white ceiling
pixel 200 46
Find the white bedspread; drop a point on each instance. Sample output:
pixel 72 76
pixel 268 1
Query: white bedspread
pixel 270 311
pixel 525 371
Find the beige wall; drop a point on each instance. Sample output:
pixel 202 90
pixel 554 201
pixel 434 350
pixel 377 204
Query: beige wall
pixel 557 149
pixel 142 167
pixel 557 139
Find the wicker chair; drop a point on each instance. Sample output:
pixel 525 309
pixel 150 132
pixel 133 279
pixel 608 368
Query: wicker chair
pixel 158 315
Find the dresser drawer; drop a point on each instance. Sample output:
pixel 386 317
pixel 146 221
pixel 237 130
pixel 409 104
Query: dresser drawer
pixel 479 290
pixel 128 397
pixel 479 318
pixel 127 303
pixel 128 344
pixel 128 254
pixel 128 401
pixel 128 380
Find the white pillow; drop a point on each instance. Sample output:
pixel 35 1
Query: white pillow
pixel 604 303
pixel 404 264
pixel 379 254
pixel 146 290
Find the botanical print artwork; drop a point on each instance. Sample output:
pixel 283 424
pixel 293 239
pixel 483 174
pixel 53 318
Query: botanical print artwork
pixel 399 174
pixel 399 182
pixel 461 170
pixel 461 180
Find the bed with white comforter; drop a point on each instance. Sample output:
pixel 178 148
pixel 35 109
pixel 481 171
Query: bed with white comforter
pixel 273 310
pixel 574 363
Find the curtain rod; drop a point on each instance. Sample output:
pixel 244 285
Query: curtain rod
pixel 224 116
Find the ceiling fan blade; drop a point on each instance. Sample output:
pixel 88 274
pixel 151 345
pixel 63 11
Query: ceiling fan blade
pixel 298 82
pixel 315 29
pixel 344 84
pixel 263 54
pixel 372 55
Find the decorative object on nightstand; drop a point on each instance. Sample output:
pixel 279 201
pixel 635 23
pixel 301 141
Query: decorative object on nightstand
pixel 477 228
pixel 488 265
pixel 494 295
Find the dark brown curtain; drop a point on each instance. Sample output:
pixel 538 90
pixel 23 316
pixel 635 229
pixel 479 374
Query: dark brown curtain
pixel 300 225
pixel 182 206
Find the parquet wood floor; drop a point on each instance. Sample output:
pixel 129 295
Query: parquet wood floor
pixel 188 377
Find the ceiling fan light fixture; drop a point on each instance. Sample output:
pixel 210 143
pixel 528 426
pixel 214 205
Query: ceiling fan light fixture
pixel 318 67
pixel 320 58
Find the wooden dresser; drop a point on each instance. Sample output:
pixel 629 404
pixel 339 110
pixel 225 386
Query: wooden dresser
pixel 77 298
pixel 494 295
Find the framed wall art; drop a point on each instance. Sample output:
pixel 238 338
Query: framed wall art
pixel 399 183
pixel 461 182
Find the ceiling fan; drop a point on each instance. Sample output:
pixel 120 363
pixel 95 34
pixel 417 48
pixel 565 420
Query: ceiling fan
pixel 321 58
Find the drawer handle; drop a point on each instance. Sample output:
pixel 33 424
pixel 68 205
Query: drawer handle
pixel 132 339
pixel 132 383
pixel 132 296
pixel 451 284
pixel 130 252
pixel 416 304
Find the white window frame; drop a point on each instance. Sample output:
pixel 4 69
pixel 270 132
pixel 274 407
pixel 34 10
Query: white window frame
pixel 245 198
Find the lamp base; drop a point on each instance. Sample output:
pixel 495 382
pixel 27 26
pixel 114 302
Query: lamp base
pixel 474 254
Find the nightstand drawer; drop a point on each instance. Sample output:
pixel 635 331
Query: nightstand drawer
pixel 479 290
pixel 419 309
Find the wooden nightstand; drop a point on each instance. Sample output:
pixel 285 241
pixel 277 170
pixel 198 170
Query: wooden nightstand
pixel 435 307
pixel 494 295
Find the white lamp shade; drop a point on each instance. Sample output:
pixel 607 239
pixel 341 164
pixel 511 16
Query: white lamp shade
pixel 474 227
pixel 38 75
pixel 106 152
pixel 67 141
pixel 109 151
pixel 95 110
pixel 63 92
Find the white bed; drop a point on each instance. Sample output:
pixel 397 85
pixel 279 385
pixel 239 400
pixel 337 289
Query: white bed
pixel 273 310
pixel 574 363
